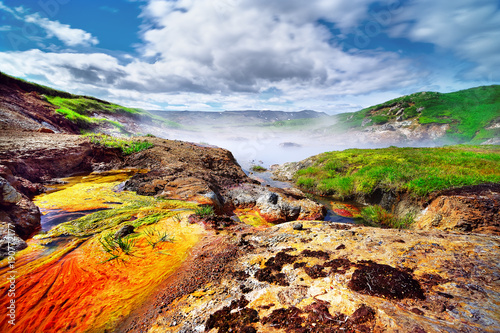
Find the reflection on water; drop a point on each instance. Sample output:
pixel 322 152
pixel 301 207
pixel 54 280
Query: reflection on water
pixel 52 217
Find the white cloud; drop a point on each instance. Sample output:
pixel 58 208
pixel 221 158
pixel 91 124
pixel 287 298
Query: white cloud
pixel 470 28
pixel 244 46
pixel 10 10
pixel 69 36
pixel 5 28
pixel 197 52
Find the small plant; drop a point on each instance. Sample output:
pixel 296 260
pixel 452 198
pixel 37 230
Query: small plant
pixel 154 237
pixel 116 246
pixel 378 216
pixel 177 218
pixel 204 211
pixel 258 168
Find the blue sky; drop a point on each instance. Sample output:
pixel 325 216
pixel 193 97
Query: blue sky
pixel 331 56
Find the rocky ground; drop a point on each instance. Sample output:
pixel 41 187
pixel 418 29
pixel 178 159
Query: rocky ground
pixel 328 277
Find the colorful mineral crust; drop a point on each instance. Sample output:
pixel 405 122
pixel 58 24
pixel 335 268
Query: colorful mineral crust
pixel 81 276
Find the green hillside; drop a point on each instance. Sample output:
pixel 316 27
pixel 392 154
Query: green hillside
pixel 82 110
pixel 469 113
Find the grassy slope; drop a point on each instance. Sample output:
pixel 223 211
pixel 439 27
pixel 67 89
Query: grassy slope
pixel 468 112
pixel 78 109
pixel 419 171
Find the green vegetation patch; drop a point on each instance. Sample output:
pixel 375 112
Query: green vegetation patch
pixel 79 109
pixel 467 112
pixel 151 210
pixel 379 217
pixel 258 168
pixel 88 105
pixel 127 146
pixel 419 171
pixel 204 211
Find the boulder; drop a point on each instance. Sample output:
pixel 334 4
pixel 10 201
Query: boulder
pixel 17 209
pixel 273 204
pixel 471 209
pixel 8 194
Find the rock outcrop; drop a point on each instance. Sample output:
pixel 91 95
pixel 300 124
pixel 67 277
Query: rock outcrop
pixel 17 210
pixel 470 208
pixel 274 204
pixel 342 277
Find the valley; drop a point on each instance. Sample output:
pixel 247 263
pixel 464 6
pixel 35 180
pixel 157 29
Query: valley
pixel 167 224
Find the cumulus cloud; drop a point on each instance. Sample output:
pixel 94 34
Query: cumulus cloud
pixel 195 53
pixel 245 46
pixel 469 28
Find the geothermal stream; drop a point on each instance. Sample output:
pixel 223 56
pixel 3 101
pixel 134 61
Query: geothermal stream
pixel 71 279
pixel 68 281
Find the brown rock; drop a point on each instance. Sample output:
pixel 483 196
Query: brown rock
pixel 470 209
pixel 431 282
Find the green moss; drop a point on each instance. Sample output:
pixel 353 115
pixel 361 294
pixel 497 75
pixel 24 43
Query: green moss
pixel 419 171
pixel 152 219
pixel 204 211
pixel 258 168
pixel 81 120
pixel 127 146
pixel 89 105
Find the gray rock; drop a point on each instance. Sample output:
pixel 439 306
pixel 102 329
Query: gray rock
pixel 269 198
pixel 8 194
pixel 298 226
pixel 365 122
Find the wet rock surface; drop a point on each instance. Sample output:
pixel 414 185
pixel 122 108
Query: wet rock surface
pixel 17 210
pixel 328 278
pixel 274 204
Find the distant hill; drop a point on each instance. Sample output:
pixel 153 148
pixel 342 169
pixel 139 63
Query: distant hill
pixel 235 118
pixel 466 116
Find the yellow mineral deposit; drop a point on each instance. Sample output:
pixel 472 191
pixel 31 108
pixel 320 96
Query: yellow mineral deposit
pixel 72 284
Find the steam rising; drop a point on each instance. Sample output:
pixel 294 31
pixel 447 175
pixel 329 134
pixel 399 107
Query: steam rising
pixel 270 137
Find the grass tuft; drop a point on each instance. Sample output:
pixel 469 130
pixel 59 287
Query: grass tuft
pixel 115 247
pixel 204 211
pixel 378 216
pixel 126 146
pixel 154 237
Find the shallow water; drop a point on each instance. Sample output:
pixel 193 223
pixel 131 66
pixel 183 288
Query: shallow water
pixel 67 282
